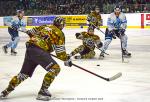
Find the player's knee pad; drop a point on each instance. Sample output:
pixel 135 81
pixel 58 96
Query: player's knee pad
pixel 17 39
pixel 106 43
pixel 89 55
pixel 22 76
pixel 79 49
pixel 16 80
pixel 124 41
pixel 50 76
pixel 124 37
pixel 54 70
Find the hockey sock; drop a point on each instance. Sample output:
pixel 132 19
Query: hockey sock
pixel 15 81
pixel 50 76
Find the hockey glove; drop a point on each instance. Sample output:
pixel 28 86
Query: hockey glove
pixel 14 26
pixel 78 35
pixel 121 32
pixel 113 34
pixel 68 63
pixel 100 45
pixel 31 32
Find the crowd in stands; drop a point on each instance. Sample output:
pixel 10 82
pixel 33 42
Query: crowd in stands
pixel 70 7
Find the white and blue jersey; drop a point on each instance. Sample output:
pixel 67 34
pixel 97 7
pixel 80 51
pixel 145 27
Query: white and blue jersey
pixel 17 24
pixel 116 23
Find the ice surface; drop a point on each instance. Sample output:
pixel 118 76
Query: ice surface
pixel 75 85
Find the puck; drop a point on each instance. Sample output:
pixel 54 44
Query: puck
pixel 98 65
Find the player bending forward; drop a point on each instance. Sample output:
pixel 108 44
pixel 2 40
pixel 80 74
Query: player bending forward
pixel 90 41
pixel 94 18
pixel 43 40
pixel 13 26
pixel 117 24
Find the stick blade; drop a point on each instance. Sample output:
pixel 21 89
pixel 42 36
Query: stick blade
pixel 115 76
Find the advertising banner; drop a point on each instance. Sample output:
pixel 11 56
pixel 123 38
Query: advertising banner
pixel 40 20
pixel 147 19
pixel 75 20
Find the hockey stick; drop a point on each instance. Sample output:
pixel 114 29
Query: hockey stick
pixel 102 32
pixel 97 28
pixel 106 79
pixel 101 51
pixel 121 49
pixel 122 57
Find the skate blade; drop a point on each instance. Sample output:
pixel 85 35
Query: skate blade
pixel 101 58
pixel 13 54
pixel 3 98
pixel 125 56
pixel 43 98
pixel 4 50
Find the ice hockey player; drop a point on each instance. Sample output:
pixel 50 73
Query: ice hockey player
pixel 94 18
pixel 43 40
pixel 117 24
pixel 17 22
pixel 89 42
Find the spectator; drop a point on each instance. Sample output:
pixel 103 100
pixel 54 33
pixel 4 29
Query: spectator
pixel 70 7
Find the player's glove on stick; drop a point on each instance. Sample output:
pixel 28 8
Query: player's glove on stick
pixel 15 26
pixel 68 63
pixel 31 32
pixel 100 44
pixel 113 34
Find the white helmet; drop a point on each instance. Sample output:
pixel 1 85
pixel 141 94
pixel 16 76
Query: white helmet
pixel 117 8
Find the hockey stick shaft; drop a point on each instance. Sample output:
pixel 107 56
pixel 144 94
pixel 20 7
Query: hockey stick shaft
pixel 106 79
pixel 101 51
pixel 121 49
pixel 97 28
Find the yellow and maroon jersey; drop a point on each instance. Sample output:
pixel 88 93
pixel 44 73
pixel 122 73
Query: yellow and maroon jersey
pixel 50 38
pixel 95 18
pixel 90 40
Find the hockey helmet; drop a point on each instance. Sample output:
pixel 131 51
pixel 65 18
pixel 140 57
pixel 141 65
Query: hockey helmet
pixel 97 9
pixel 20 13
pixel 117 8
pixel 59 21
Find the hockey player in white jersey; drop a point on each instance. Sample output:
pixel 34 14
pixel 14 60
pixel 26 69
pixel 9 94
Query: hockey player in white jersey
pixel 116 26
pixel 18 22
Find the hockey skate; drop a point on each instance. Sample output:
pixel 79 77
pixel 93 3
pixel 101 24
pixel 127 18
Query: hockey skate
pixel 5 49
pixel 13 52
pixel 126 54
pixel 4 94
pixel 101 56
pixel 44 95
pixel 77 57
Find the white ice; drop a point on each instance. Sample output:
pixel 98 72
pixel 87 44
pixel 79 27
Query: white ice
pixel 75 85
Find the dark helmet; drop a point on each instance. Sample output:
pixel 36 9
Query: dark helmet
pixel 117 8
pixel 58 21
